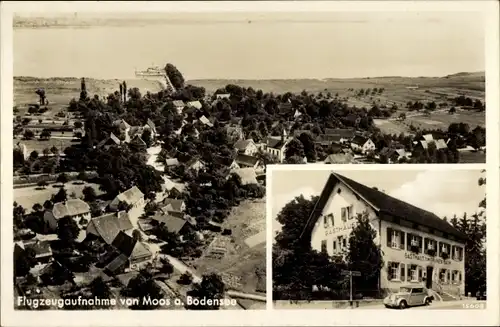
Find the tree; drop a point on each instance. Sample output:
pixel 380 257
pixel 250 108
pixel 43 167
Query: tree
pixel 54 150
pixel 89 194
pixel 18 214
pixel 364 255
pixel 60 196
pixel 186 278
pixel 48 205
pixel 136 235
pixel 99 289
pixel 23 262
pixel 294 148
pixel 82 176
pixel 67 230
pixel 175 76
pixel 37 207
pixel 18 157
pixel 211 287
pixel 474 228
pixel 143 286
pixel 42 184
pixel 34 155
pixel 45 134
pixel 146 137
pixel 167 267
pixel 62 178
pixel 402 116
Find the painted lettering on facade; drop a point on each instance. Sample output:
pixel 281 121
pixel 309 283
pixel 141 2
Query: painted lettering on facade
pixel 335 230
pixel 424 257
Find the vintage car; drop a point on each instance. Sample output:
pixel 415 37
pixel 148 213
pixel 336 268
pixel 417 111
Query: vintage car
pixel 408 296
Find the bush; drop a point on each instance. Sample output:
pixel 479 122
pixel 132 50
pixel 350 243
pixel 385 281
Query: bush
pixel 185 279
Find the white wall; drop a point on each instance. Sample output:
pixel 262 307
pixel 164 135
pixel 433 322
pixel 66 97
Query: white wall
pixel 422 260
pixel 340 228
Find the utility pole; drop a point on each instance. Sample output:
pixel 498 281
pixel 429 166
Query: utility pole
pixel 350 273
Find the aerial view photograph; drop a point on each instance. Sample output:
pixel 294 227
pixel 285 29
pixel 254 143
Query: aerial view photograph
pixel 141 140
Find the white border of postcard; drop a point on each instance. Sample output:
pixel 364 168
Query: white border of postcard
pixel 488 316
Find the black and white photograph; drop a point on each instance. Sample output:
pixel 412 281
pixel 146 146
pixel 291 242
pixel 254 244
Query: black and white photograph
pixel 247 155
pixel 378 239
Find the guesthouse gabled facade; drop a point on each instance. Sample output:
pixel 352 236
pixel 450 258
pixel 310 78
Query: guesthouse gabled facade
pixel 418 247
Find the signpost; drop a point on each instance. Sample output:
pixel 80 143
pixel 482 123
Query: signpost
pixel 350 273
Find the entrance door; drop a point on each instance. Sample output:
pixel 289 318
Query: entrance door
pixel 428 279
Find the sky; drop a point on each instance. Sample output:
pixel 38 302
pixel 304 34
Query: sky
pixel 260 45
pixel 443 192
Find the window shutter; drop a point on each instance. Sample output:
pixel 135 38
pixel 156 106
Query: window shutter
pixel 389 236
pixel 419 274
pixel 459 276
pixel 325 221
pixel 408 242
pixel 402 240
pixel 332 218
pixel 420 243
pixel 402 271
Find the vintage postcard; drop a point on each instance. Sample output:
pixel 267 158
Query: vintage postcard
pixel 143 154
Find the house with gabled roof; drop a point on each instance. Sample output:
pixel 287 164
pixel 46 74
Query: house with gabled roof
pixel 107 226
pixel 133 197
pixel 137 252
pixel 170 204
pixel 194 164
pixel 175 223
pixel 195 104
pixel 339 135
pixel 150 125
pixel 362 144
pixel 223 96
pixel 234 132
pixel 109 141
pixel 41 249
pixel 205 121
pixel 276 146
pixel 245 161
pixel 179 105
pixel 247 147
pixel 417 246
pixel 73 208
pixel 247 175
pixel 138 142
pixel 393 155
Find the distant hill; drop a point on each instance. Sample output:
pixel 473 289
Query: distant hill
pixel 460 81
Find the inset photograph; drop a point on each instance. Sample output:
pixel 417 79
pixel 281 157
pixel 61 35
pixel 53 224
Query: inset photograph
pixel 378 239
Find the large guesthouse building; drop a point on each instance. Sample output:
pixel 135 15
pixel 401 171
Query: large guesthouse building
pixel 418 247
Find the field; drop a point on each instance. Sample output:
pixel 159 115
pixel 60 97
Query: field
pixel 40 145
pixel 472 157
pixel 243 264
pixel 443 120
pixel 28 196
pixel 60 91
pixel 469 84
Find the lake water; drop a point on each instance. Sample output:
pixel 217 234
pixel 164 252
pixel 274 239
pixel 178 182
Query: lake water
pixel 251 50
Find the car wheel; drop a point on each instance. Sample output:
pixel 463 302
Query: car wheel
pixel 402 305
pixel 427 301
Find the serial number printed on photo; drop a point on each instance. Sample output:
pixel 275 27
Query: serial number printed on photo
pixel 473 306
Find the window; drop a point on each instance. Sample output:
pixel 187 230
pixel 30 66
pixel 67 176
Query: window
pixel 414 243
pixel 430 246
pixel 394 271
pixel 455 276
pixel 417 290
pixel 347 213
pixel 444 250
pixel 413 273
pixel 323 247
pixel 442 275
pixel 458 253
